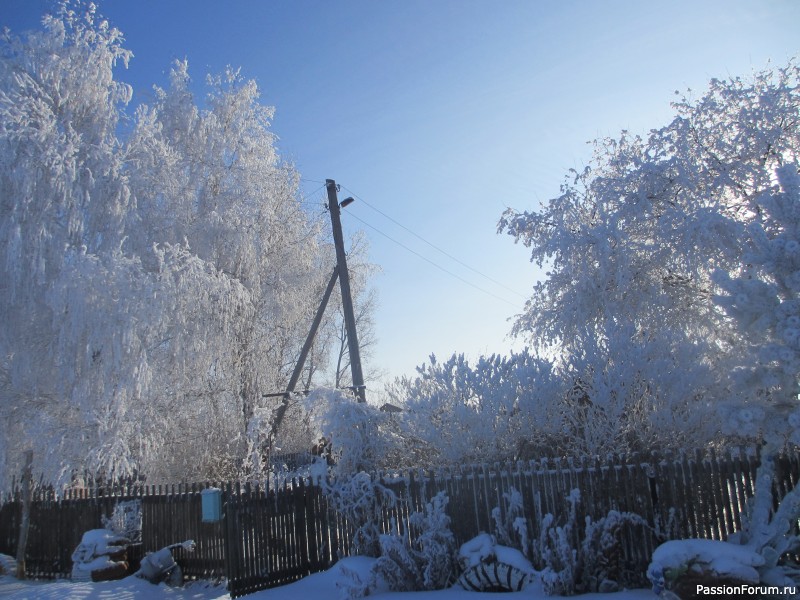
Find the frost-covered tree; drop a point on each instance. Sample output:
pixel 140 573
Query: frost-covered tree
pixel 63 199
pixel 631 246
pixel 155 279
pixel 211 179
pixel 763 299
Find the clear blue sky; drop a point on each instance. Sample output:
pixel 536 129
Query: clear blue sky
pixel 442 113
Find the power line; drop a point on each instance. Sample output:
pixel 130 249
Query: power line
pixel 316 190
pixel 437 248
pixel 307 198
pixel 426 259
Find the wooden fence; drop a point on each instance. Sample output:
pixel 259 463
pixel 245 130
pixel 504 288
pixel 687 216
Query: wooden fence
pixel 272 536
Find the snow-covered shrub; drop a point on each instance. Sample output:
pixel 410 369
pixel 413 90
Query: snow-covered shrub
pixel 422 558
pixel 600 554
pixel 352 585
pixel 358 441
pixel 554 550
pixel 510 527
pixel 360 499
pixel 356 431
pixel 397 565
pixel 575 561
pixel 458 412
pixel 126 520
pixel 619 400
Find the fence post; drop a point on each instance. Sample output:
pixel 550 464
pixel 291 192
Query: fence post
pixel 25 523
pixel 228 527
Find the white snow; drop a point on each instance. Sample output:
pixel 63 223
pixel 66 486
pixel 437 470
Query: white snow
pixel 514 558
pixel 97 542
pixel 484 548
pixel 320 586
pixel 478 549
pixel 92 553
pixel 723 558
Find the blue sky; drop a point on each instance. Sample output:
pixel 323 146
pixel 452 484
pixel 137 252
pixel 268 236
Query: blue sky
pixel 441 114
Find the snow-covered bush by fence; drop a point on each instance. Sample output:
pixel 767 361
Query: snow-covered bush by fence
pixel 575 559
pixel 360 498
pixel 510 526
pixel 422 558
pixel 571 558
pixel 358 441
pixel 125 520
pixel 358 433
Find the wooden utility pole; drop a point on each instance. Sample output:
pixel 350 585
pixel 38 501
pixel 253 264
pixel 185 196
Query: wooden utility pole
pixel 347 299
pixel 339 272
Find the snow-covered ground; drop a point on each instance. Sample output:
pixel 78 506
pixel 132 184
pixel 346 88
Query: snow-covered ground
pixel 320 586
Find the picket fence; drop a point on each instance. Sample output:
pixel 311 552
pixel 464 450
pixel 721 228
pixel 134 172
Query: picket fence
pixel 272 535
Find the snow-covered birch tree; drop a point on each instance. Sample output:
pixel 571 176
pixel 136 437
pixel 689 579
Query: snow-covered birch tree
pixel 631 246
pixel 63 200
pixel 211 179
pixel 155 279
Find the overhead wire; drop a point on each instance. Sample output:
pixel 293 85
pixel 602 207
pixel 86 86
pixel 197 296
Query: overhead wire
pixel 426 259
pixel 434 246
pixel 316 190
pixel 308 197
pixel 414 252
